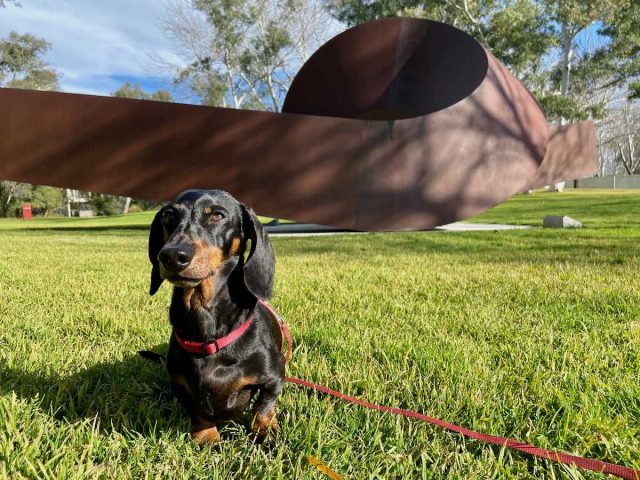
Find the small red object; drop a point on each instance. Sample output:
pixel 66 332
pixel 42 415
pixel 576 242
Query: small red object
pixel 26 211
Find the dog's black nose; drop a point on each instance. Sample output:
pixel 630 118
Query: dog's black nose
pixel 176 258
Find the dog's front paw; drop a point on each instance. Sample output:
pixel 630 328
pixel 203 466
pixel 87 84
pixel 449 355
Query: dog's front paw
pixel 265 426
pixel 205 434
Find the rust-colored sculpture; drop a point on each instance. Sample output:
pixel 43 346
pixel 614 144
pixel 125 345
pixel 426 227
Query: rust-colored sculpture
pixel 397 124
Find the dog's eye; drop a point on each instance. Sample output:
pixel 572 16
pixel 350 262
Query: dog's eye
pixel 217 215
pixel 168 217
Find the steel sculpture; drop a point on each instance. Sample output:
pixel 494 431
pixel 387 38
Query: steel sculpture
pixel 397 124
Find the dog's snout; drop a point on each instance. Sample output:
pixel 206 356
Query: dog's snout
pixel 176 257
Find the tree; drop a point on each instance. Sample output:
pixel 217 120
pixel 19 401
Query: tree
pixel 519 36
pixel 14 194
pixel 22 65
pixel 562 98
pixel 44 198
pixel 468 15
pixel 244 53
pixel 128 90
pixel 623 53
pixel 103 204
pixel 9 193
pixel 620 138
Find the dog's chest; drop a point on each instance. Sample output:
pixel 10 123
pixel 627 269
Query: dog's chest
pixel 218 390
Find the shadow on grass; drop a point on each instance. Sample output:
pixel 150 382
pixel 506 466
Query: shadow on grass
pixel 128 395
pixel 131 395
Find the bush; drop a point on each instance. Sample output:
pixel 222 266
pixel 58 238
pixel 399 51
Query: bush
pixel 134 208
pixel 106 204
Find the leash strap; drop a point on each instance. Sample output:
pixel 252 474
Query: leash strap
pixel 619 471
pixel 565 458
pixel 286 335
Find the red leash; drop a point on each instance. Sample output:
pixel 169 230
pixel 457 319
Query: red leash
pixel 580 462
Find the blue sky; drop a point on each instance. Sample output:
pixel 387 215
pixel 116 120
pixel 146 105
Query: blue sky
pixel 96 45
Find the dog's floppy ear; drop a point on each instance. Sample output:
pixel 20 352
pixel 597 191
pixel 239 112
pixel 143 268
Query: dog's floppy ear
pixel 156 242
pixel 260 266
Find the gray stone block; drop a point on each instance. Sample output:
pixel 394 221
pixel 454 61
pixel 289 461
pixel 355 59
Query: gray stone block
pixel 556 221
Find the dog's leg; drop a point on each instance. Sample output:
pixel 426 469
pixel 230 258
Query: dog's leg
pixel 203 431
pixel 264 412
pixel 182 392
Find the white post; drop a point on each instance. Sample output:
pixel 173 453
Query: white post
pixel 67 202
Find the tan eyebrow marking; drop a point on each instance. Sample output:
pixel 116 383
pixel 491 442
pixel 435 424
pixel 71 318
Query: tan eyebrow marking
pixel 207 210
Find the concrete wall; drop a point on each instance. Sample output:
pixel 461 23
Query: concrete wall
pixel 613 181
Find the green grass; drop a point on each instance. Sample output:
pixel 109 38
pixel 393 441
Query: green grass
pixel 594 208
pixel 532 334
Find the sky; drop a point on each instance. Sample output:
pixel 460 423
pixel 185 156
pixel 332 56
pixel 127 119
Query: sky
pixel 97 45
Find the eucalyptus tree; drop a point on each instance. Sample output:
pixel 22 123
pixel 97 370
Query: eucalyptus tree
pixel 244 53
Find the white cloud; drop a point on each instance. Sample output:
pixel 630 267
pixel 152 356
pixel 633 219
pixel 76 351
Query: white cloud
pixel 95 44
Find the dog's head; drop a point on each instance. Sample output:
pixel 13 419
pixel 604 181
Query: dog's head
pixel 203 231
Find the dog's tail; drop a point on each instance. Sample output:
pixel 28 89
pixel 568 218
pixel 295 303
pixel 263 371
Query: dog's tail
pixel 153 356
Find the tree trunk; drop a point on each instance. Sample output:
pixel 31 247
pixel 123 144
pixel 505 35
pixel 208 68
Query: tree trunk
pixel 632 151
pixel 627 166
pixel 567 53
pixel 67 202
pixel 125 208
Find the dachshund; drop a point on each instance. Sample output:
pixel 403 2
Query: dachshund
pixel 225 344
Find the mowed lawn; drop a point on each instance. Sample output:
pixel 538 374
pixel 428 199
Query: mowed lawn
pixel 532 334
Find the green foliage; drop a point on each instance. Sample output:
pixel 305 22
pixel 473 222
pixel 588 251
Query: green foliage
pixel 102 204
pixel 208 85
pixel 532 334
pixel 142 205
pixel 519 36
pixel 624 32
pixel 128 90
pixel 21 63
pixel 558 107
pixel 45 198
pixel 469 15
pixel 10 193
pixel 577 14
pixel 14 194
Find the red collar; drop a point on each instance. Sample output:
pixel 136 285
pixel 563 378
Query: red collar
pixel 211 348
pixel 219 344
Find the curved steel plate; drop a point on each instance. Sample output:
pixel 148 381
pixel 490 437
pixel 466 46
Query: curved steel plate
pixel 411 125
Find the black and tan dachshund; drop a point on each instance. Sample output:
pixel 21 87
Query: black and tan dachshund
pixel 225 346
